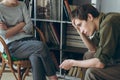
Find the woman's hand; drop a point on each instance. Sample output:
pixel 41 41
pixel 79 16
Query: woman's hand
pixel 15 29
pixel 67 64
pixel 3 26
pixel 21 24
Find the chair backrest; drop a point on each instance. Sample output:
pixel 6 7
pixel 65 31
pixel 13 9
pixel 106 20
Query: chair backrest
pixel 5 47
pixel 6 50
pixel 19 62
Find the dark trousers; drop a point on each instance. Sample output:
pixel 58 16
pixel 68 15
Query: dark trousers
pixel 111 72
pixel 39 55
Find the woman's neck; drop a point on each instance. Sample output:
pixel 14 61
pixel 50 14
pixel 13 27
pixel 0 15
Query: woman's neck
pixel 12 4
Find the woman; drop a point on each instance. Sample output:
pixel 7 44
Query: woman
pixel 16 29
pixel 101 34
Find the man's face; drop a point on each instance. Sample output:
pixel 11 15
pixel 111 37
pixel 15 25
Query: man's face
pixel 85 27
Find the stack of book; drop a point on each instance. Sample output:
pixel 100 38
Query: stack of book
pixel 75 72
pixel 55 9
pixel 73 38
pixel 51 32
pixel 48 9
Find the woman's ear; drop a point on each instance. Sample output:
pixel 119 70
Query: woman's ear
pixel 90 17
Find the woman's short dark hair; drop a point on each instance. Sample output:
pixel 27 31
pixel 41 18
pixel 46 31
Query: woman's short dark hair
pixel 82 12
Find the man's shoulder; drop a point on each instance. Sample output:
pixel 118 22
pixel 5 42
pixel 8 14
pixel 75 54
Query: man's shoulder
pixel 113 14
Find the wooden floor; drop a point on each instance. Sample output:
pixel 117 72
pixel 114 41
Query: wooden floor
pixel 9 76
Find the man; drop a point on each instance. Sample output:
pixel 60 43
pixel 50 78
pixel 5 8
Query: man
pixel 101 34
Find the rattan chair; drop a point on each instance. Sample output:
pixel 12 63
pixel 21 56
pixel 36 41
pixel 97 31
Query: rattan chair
pixel 22 65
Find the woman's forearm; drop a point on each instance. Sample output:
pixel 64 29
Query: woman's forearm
pixel 14 30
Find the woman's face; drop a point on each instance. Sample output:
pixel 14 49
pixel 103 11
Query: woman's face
pixel 85 27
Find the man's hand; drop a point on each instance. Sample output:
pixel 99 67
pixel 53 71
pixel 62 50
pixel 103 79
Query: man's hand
pixel 77 29
pixel 67 64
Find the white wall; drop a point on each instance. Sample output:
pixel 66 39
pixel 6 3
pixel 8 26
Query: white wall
pixel 110 6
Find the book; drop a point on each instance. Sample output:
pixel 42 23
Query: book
pixel 54 60
pixel 74 71
pixel 76 44
pixel 71 30
pixel 66 16
pixel 51 35
pixel 73 39
pixel 71 36
pixel 54 8
pixel 68 8
pixel 79 73
pixel 73 7
pixel 55 33
pixel 42 10
pixel 42 3
pixel 70 71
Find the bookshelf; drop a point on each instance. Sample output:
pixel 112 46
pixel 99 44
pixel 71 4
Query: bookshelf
pixel 52 18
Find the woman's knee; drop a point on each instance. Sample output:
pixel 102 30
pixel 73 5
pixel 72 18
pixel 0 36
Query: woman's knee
pixel 36 61
pixel 33 58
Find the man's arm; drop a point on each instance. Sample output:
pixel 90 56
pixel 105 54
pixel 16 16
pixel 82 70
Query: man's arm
pixel 85 39
pixel 94 62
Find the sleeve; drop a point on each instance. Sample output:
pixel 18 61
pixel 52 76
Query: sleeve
pixel 95 39
pixel 28 28
pixel 107 44
pixel 2 32
pixel 0 17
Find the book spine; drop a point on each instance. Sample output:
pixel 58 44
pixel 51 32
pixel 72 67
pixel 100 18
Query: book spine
pixel 70 71
pixel 75 71
pixel 68 8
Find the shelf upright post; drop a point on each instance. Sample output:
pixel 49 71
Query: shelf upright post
pixel 35 7
pixel 61 35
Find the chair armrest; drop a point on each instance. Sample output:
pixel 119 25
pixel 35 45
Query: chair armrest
pixel 41 35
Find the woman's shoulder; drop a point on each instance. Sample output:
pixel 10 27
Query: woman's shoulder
pixel 1 4
pixel 21 3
